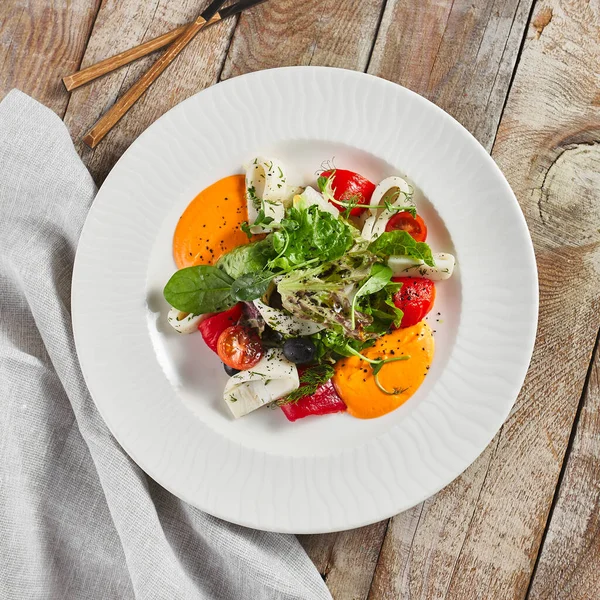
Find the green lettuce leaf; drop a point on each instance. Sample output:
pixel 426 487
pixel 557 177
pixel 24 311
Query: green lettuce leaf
pixel 381 308
pixel 251 286
pixel 309 234
pixel 401 243
pixel 380 276
pixel 375 299
pixel 324 294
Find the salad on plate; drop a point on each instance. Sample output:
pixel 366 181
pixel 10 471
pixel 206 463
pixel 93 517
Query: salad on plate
pixel 314 298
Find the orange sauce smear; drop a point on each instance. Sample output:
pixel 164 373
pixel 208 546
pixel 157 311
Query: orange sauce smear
pixel 356 385
pixel 210 225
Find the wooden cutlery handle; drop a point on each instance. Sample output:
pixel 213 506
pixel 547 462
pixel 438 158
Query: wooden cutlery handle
pixel 107 65
pixel 118 60
pixel 116 112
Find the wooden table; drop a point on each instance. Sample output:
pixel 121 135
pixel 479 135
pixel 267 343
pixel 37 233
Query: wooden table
pixel 524 78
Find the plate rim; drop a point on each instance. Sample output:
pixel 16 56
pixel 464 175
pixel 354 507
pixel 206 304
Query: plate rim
pixel 77 315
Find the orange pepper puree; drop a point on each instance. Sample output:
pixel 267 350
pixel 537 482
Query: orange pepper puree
pixel 356 385
pixel 210 225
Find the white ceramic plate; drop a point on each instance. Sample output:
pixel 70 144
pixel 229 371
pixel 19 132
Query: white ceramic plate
pixel 161 393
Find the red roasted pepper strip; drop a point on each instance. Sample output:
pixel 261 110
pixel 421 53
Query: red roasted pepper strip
pixel 323 402
pixel 212 327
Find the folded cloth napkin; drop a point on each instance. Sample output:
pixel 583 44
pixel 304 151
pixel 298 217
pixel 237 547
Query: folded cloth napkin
pixel 78 518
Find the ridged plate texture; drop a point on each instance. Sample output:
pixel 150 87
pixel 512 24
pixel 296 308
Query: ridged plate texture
pixel 160 394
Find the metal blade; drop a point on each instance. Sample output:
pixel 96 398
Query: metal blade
pixel 212 10
pixel 234 9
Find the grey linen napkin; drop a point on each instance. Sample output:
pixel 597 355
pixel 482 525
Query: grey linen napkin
pixel 78 518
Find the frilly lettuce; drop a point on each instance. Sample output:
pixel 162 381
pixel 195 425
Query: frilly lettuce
pixel 309 234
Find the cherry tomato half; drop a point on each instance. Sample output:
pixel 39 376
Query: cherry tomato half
pixel 350 186
pixel 239 347
pixel 415 298
pixel 413 225
pixel 212 327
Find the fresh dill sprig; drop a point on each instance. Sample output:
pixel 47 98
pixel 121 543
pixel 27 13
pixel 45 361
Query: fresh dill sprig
pixel 310 380
pixel 256 201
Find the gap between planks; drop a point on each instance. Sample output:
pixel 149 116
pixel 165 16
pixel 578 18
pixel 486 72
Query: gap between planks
pixel 91 30
pixel 565 464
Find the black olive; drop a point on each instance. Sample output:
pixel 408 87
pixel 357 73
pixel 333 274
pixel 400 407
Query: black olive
pixel 230 370
pixel 271 338
pixel 299 350
pixel 277 337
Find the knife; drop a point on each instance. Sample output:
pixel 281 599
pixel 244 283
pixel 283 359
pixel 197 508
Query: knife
pixel 108 65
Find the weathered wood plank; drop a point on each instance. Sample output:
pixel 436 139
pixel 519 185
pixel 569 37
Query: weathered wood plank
pixel 124 23
pixel 39 42
pixel 545 146
pixel 460 55
pixel 347 560
pixel 335 33
pixel 569 562
pixel 419 551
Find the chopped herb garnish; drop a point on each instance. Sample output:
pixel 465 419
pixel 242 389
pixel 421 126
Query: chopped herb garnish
pixel 310 380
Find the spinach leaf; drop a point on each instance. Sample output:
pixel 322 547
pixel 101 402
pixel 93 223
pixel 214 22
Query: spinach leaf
pixel 251 286
pixel 401 243
pixel 380 276
pixel 247 258
pixel 199 290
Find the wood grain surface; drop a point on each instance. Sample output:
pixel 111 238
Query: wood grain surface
pixel 569 563
pixel 120 25
pixel 39 42
pixel 460 55
pixel 419 553
pixel 346 560
pixel 333 33
pixel 564 133
pixel 522 521
pixel 544 118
